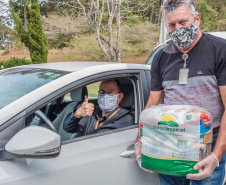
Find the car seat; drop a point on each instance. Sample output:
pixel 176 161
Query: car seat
pixel 77 97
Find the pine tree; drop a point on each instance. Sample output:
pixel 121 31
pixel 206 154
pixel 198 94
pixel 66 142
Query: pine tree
pixel 34 38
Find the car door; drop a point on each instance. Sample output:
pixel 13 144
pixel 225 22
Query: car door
pixel 103 158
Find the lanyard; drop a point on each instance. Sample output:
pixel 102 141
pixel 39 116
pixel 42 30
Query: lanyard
pixel 112 114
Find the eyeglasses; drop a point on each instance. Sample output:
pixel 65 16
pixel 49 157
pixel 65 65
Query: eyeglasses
pixel 110 92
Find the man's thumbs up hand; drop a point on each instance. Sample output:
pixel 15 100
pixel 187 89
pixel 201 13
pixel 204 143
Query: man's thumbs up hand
pixel 85 110
pixel 86 99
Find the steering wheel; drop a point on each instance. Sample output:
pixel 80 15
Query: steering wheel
pixel 42 116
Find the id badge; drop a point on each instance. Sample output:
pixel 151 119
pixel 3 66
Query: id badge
pixel 183 76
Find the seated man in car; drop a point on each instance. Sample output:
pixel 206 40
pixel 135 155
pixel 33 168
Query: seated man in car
pixel 107 116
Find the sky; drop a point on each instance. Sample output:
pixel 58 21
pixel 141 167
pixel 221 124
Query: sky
pixel 5 1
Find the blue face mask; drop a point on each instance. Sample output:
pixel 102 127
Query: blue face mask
pixel 107 103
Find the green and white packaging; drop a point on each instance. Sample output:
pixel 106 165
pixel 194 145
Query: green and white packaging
pixel 170 138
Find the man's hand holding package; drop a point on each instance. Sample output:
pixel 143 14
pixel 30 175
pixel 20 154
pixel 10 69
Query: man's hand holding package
pixel 206 167
pixel 138 156
pixel 85 110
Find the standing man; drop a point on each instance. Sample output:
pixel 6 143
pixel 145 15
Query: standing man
pixel 192 71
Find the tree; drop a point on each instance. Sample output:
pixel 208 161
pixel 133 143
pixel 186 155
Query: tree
pixel 60 29
pixel 19 7
pixel 6 30
pixel 220 7
pixel 104 17
pixel 97 14
pixel 209 16
pixel 34 38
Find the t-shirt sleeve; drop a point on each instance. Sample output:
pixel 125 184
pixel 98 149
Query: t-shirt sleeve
pixel 156 79
pixel 221 67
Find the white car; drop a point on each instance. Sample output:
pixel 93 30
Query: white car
pixel 34 101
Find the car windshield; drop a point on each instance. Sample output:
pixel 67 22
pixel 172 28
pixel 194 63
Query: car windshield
pixel 155 51
pixel 17 82
pixel 151 57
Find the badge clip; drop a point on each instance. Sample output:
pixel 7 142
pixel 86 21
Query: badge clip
pixel 183 75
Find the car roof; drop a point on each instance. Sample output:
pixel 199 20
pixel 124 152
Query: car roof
pixel 221 34
pixel 66 66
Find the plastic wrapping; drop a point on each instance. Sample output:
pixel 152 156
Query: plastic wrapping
pixel 173 138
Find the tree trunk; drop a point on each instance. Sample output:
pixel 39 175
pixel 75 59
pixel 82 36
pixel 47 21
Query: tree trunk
pixel 218 25
pixel 10 46
pixel 151 15
pixel 159 17
pixel 111 52
pixel 25 23
pixel 118 22
pixel 110 20
pixel 3 38
pixel 25 18
pixel 101 43
pixel 160 12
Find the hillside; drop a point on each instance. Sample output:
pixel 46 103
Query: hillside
pixel 66 54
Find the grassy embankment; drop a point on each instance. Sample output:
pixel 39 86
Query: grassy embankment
pixel 137 42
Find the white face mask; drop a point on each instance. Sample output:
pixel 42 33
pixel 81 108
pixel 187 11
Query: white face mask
pixel 107 103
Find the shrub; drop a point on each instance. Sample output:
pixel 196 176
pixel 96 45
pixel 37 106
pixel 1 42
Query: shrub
pixel 13 61
pixel 87 45
pixel 133 20
pixel 138 38
pixel 60 28
pixel 17 44
pixel 209 16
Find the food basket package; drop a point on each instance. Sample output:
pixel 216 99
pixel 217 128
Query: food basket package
pixel 173 138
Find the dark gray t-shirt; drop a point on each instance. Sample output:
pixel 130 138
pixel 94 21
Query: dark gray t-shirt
pixel 207 71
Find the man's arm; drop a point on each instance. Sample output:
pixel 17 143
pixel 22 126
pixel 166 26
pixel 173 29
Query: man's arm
pixel 155 98
pixel 71 124
pixel 210 163
pixel 220 146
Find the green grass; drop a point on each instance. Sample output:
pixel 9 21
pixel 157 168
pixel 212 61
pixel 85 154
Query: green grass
pixel 2 51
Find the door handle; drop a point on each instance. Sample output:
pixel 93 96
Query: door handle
pixel 127 153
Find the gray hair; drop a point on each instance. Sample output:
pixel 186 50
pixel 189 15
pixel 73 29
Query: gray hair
pixel 172 5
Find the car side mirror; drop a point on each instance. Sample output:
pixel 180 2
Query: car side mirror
pixel 35 142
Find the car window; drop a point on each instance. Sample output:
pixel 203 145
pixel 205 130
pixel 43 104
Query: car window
pixel 67 97
pixel 155 51
pixel 93 90
pixel 59 111
pixel 151 57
